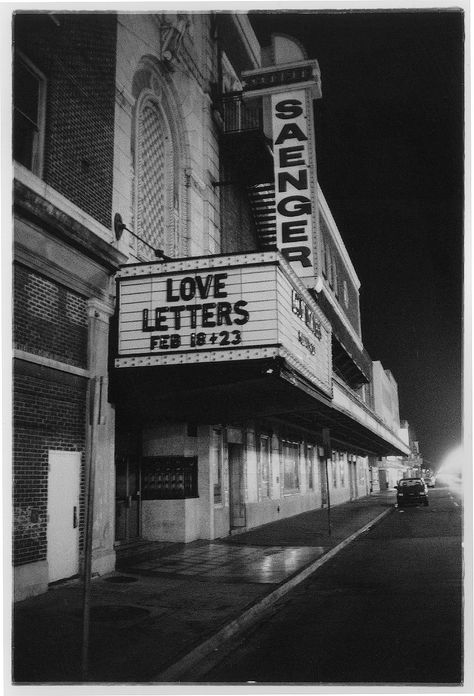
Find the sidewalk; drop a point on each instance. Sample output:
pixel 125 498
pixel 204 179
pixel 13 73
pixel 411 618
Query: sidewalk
pixel 157 616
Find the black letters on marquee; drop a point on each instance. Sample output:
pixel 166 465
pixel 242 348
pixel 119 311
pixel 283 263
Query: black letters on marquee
pixel 205 315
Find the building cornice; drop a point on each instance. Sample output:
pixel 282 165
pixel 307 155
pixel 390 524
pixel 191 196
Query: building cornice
pixel 39 203
pixel 248 37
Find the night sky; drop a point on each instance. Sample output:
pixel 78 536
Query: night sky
pixel 389 142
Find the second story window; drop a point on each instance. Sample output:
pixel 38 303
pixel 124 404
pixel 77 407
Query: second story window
pixel 346 294
pixel 334 276
pixel 324 259
pixel 29 89
pixel 328 265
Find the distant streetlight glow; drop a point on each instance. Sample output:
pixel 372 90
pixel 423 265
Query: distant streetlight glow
pixel 450 471
pixel 453 463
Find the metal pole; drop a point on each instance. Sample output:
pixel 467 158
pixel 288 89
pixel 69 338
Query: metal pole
pixel 327 456
pixel 89 522
pixel 329 498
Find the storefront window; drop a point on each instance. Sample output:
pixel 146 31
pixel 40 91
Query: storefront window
pixel 334 469
pixel 291 482
pixel 217 461
pixel 342 469
pixel 361 473
pixel 265 473
pixel 309 467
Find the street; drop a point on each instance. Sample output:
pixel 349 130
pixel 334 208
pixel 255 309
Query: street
pixel 387 609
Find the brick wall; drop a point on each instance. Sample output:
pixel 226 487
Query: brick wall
pixel 50 320
pixel 49 414
pixel 49 405
pixel 76 54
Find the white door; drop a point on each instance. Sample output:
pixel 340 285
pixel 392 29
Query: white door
pixel 63 514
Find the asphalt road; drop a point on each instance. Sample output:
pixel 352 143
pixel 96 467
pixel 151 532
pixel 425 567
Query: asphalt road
pixel 386 610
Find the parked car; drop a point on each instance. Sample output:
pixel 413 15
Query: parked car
pixel 430 481
pixel 412 491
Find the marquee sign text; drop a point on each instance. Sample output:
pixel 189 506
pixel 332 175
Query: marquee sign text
pixel 180 313
pixel 174 314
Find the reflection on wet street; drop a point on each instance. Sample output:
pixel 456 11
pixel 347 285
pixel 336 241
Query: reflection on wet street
pixel 246 563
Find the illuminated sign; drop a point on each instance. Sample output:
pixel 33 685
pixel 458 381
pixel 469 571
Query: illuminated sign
pixel 221 308
pixel 295 180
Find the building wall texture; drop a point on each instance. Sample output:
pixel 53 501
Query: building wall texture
pixel 49 405
pixel 50 320
pixel 99 70
pixel 76 54
pixel 49 414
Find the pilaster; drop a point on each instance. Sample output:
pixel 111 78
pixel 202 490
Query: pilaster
pixel 101 433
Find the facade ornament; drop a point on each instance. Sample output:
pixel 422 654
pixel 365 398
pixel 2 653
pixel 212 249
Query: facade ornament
pixel 172 35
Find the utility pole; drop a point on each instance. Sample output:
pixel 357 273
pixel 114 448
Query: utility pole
pixel 327 457
pixel 94 401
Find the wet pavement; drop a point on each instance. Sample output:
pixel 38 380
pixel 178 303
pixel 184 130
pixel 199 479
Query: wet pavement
pixel 167 606
pixel 238 564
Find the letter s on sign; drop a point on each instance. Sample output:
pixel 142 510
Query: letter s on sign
pixel 289 108
pixel 239 309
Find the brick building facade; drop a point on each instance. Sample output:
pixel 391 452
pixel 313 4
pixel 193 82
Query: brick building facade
pixel 138 159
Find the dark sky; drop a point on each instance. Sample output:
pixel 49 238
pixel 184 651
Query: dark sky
pixel 389 142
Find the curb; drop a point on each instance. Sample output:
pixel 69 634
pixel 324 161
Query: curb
pixel 175 671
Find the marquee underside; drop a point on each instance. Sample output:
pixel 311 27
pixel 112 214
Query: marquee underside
pixel 268 390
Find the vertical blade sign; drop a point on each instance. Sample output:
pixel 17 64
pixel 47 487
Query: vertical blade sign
pixel 295 179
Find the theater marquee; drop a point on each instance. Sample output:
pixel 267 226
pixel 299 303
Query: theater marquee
pixel 221 308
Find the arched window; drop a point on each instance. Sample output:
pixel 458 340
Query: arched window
pixel 155 201
pixel 160 157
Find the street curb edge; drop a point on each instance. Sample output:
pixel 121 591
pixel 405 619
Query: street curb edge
pixel 175 671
